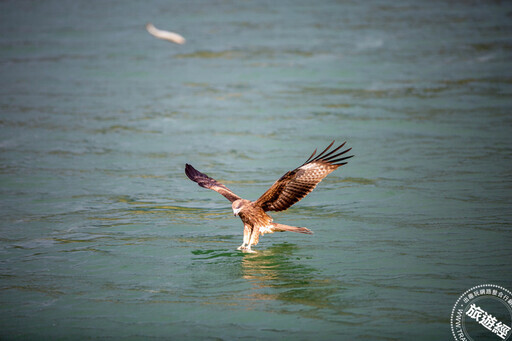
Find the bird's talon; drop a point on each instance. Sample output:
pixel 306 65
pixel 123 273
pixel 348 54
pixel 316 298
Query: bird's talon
pixel 245 248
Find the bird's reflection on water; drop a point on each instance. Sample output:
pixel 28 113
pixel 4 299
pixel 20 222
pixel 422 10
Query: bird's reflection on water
pixel 272 279
pixel 277 274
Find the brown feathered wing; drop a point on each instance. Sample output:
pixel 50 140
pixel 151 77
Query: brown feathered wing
pixel 296 184
pixel 205 181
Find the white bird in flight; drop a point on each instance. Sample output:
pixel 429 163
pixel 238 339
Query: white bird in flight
pixel 165 35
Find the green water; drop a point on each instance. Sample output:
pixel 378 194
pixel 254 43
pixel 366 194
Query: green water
pixel 103 236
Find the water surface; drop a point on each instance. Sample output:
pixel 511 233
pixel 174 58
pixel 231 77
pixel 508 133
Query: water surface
pixel 103 236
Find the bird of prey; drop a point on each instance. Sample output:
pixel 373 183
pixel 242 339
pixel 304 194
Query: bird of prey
pixel 290 188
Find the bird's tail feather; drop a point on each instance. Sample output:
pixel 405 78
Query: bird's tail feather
pixel 282 227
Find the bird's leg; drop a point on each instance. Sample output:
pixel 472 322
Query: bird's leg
pixel 247 235
pixel 253 239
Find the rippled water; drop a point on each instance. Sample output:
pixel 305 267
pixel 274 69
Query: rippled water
pixel 103 236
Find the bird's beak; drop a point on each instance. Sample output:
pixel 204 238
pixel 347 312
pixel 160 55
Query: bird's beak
pixel 235 212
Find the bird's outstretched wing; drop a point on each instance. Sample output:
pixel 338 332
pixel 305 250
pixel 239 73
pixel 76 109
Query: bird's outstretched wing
pixel 205 181
pixel 296 184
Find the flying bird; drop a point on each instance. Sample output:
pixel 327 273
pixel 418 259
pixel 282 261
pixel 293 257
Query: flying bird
pixel 165 35
pixel 289 189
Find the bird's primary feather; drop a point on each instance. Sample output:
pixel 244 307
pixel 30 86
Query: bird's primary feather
pixel 205 181
pixel 296 184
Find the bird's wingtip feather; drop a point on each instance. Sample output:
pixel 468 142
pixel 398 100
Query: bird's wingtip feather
pixel 190 171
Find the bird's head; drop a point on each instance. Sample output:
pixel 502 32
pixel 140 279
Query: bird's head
pixel 237 206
